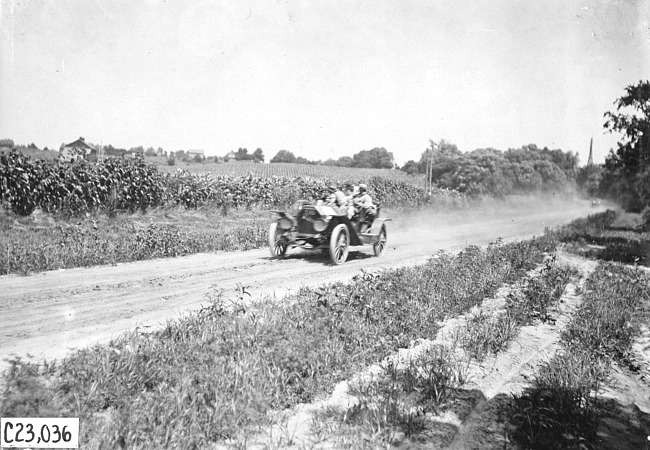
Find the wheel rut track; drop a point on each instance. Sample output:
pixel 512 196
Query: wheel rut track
pixel 510 372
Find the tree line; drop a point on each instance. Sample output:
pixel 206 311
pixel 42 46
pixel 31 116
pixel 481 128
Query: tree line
pixel 376 158
pixel 489 171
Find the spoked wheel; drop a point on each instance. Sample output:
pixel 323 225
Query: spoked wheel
pixel 339 244
pixel 380 246
pixel 277 244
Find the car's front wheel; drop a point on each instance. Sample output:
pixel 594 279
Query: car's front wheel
pixel 277 243
pixel 339 244
pixel 380 246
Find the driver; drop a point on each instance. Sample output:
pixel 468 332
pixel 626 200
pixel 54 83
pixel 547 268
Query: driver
pixel 328 197
pixel 337 198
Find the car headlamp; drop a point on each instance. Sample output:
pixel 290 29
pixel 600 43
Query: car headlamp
pixel 320 225
pixel 285 223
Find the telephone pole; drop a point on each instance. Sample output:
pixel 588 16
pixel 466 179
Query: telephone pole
pixel 429 181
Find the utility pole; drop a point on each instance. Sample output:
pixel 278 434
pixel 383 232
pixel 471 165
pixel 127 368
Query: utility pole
pixel 429 181
pixel 590 161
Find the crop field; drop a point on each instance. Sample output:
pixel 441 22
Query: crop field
pixel 287 170
pixel 491 347
pixel 123 184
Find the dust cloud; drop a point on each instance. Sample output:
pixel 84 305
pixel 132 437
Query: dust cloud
pixel 488 217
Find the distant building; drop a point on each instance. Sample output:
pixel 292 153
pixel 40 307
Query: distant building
pixel 192 154
pixel 231 156
pixel 76 150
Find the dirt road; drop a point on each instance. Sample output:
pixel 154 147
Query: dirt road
pixel 48 314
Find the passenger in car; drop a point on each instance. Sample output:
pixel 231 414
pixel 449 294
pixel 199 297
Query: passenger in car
pixel 363 203
pixel 348 191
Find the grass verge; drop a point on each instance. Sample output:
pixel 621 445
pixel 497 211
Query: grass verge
pixel 610 236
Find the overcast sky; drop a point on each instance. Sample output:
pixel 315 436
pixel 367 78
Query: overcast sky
pixel 321 79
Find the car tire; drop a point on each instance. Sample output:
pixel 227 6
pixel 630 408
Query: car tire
pixel 277 247
pixel 339 244
pixel 379 248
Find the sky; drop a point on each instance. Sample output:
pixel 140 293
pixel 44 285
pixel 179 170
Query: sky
pixel 322 79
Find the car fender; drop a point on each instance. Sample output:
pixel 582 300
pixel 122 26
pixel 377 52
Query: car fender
pixel 376 225
pixel 283 215
pixel 342 219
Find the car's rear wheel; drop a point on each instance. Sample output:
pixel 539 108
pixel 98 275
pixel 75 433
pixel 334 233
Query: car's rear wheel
pixel 380 246
pixel 277 244
pixel 339 244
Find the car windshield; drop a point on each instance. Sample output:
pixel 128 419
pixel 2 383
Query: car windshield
pixel 326 210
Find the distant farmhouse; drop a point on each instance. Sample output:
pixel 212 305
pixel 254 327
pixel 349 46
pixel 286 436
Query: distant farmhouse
pixel 80 149
pixel 230 156
pixel 196 155
pixel 77 150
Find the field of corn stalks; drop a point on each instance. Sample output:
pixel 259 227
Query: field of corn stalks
pixel 127 185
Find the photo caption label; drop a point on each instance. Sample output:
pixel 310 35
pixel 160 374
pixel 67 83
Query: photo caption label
pixel 39 432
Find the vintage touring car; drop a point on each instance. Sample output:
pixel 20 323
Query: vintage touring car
pixel 327 228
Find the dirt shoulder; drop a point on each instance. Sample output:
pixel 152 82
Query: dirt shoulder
pixel 48 314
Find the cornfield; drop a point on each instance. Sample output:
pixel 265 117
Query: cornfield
pixel 287 170
pixel 119 184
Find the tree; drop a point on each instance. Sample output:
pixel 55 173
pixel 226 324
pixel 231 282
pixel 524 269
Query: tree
pixel 258 155
pixel 284 156
pixel 377 158
pixel 411 167
pixel 242 155
pixel 150 151
pixel 627 170
pixel 344 161
pixel 444 158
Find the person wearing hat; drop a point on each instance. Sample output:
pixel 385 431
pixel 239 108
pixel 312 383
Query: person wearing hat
pixel 363 202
